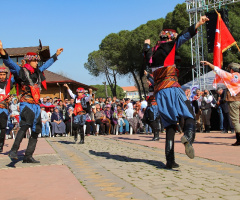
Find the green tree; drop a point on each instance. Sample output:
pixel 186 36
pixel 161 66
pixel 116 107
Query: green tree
pixel 101 91
pixel 97 65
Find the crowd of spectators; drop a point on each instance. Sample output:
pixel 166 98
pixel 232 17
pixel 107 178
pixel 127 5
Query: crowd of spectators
pixel 118 115
pixel 112 116
pixel 203 103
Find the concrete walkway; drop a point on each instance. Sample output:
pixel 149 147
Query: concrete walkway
pixel 123 167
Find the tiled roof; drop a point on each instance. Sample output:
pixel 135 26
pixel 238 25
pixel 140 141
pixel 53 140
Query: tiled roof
pixel 21 51
pixel 52 77
pixel 130 88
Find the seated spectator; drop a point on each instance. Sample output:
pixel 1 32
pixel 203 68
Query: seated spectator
pixel 100 118
pixel 50 112
pixel 126 124
pixel 49 101
pixel 45 122
pixel 58 126
pixel 136 120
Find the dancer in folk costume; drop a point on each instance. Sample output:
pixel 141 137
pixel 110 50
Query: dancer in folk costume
pixel 80 111
pixel 5 98
pixel 29 77
pixel 170 98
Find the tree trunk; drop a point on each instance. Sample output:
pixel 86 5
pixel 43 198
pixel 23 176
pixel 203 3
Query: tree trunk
pixel 139 89
pixel 144 91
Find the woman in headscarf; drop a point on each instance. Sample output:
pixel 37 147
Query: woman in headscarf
pixel 101 119
pixel 58 126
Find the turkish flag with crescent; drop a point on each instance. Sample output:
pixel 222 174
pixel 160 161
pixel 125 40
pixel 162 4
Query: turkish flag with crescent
pixel 223 41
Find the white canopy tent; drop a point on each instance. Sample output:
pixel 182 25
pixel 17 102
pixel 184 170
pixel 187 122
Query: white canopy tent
pixel 209 77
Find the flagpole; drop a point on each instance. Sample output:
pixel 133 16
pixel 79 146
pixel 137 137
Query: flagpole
pixel 238 47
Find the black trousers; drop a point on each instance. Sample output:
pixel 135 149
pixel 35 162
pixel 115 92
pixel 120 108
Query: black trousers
pixel 88 127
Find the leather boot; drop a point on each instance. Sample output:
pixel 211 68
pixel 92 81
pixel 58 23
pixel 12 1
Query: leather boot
pixel 30 149
pixel 2 139
pixel 237 143
pixel 75 133
pixel 188 138
pixel 169 147
pixel 169 151
pixel 207 129
pixel 156 136
pixel 13 152
pixel 82 138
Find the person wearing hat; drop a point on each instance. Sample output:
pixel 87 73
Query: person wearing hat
pixel 232 82
pixel 30 79
pixel 80 111
pixel 170 98
pixel 5 86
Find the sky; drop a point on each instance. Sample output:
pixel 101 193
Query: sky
pixel 77 26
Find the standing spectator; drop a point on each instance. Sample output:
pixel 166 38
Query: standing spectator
pixel 65 103
pixel 62 109
pixel 197 99
pixel 45 122
pixel 71 104
pixel 206 107
pixel 44 101
pixel 227 122
pixel 69 117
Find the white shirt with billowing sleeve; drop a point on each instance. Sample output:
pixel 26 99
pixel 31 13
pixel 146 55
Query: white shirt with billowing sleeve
pixel 78 100
pixel 230 80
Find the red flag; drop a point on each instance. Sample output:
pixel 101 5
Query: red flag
pixel 227 38
pixel 223 41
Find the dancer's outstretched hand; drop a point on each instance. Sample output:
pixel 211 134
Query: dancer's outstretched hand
pixel 1 49
pixel 208 63
pixel 148 41
pixel 66 85
pixel 59 51
pixel 202 20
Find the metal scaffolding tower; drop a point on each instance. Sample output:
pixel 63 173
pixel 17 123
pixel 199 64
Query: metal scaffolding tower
pixel 195 9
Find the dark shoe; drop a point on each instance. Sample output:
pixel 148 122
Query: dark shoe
pixel 155 139
pixel 232 131
pixel 30 160
pixel 171 165
pixel 189 150
pixel 13 155
pixel 1 147
pixel 81 142
pixel 237 143
pixel 223 131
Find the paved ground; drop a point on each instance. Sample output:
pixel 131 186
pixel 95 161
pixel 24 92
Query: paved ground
pixel 124 167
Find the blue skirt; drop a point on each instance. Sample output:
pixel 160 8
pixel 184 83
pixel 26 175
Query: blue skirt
pixel 172 106
pixel 30 114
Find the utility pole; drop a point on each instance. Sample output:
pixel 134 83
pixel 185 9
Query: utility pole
pixel 106 92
